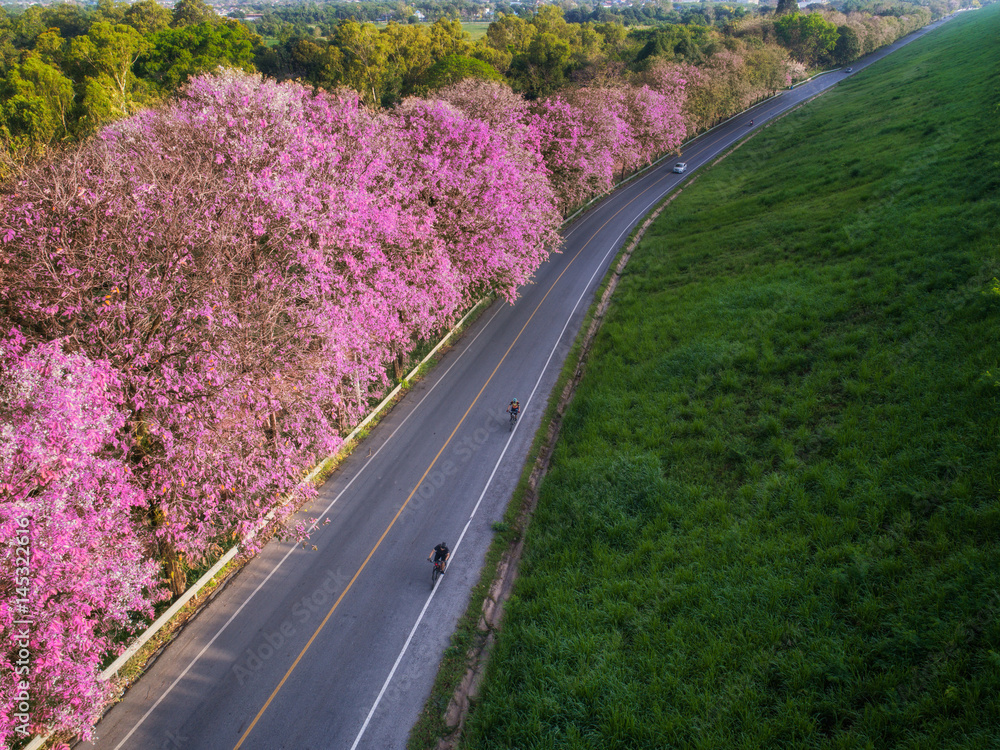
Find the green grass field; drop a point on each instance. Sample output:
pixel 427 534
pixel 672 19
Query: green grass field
pixel 772 519
pixel 477 29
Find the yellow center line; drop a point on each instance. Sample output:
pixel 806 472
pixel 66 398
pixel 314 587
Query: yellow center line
pixel 429 468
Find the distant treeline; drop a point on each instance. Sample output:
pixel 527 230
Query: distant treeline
pixel 66 70
pixel 661 11
pixel 542 53
pixel 646 14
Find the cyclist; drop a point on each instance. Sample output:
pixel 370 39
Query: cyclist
pixel 751 123
pixel 440 553
pixel 514 408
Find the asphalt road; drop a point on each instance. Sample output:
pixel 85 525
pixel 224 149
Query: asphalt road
pixel 338 647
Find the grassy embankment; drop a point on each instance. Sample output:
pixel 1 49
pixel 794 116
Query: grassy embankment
pixel 772 518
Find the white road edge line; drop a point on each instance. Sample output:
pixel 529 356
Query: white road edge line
pixel 312 528
pixel 489 481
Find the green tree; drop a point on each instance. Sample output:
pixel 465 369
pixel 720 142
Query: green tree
pixel 109 11
pixel 409 55
pixel 544 67
pixel 448 38
pixel 819 38
pixel 809 37
pixel 8 53
pixel 498 59
pixel 848 47
pixel 108 51
pixel 767 67
pixel 98 105
pixel 27 26
pixel 27 120
pixel 510 34
pixel 550 20
pixel 614 38
pixel 177 54
pixel 24 121
pixel 670 42
pixel 308 59
pixel 52 87
pixel 51 48
pixel 455 68
pixel 69 19
pixel 365 59
pixel 147 17
pixel 786 6
pixel 192 13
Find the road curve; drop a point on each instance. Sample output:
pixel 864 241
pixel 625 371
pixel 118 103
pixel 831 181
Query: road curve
pixel 338 647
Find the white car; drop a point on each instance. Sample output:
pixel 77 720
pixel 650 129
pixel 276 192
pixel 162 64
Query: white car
pixel 680 167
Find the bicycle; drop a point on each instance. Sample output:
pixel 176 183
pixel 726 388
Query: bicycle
pixel 513 420
pixel 437 571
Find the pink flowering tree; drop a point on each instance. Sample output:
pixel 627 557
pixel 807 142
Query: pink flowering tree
pixel 374 278
pixel 486 195
pixel 584 136
pixel 249 260
pixel 76 572
pixel 589 135
pixel 655 120
pixel 604 114
pixel 150 248
pixel 675 81
pixel 492 102
pixel 579 169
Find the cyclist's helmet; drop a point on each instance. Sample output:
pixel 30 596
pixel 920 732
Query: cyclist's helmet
pixel 514 400
pixel 442 545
